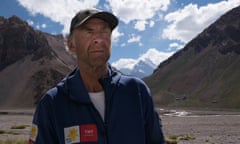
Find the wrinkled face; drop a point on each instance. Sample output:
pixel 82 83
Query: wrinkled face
pixel 91 42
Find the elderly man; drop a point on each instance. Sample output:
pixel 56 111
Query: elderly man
pixel 95 103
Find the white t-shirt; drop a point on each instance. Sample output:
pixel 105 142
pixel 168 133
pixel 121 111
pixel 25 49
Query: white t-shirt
pixel 98 100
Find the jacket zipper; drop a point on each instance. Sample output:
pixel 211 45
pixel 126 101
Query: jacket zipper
pixel 107 90
pixel 100 121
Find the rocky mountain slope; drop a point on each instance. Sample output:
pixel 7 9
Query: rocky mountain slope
pixel 30 62
pixel 206 72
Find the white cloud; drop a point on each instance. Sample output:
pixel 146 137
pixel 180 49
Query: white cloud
pixel 186 23
pixel 134 38
pixel 127 63
pixel 129 10
pixel 116 34
pixel 140 25
pixel 153 55
pixel 175 46
pixel 30 22
pixel 60 11
pixel 43 25
pixel 151 23
pixel 37 26
pixel 123 45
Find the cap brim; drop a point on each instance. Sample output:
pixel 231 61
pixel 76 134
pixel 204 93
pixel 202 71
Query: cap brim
pixel 106 16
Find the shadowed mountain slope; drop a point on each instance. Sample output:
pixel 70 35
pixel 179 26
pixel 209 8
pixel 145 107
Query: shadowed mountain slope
pixel 206 72
pixel 30 63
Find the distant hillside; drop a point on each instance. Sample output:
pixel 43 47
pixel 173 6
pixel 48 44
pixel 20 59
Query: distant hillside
pixel 30 63
pixel 206 72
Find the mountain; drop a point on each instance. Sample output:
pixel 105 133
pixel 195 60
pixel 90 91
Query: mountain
pixel 143 66
pixel 206 72
pixel 30 62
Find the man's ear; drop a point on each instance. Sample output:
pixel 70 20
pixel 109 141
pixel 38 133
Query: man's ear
pixel 71 44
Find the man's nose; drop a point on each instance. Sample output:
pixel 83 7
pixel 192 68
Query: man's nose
pixel 99 37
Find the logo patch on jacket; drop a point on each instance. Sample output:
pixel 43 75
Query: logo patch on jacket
pixel 89 133
pixel 72 135
pixel 33 134
pixel 82 133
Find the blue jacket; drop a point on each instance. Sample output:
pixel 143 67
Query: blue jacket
pixel 66 114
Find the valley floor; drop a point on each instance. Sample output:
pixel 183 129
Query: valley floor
pixel 200 127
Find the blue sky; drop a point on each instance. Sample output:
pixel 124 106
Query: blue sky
pixel 148 29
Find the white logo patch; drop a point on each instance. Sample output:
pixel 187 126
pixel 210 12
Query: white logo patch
pixel 72 135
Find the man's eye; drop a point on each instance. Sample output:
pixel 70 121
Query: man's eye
pixel 105 32
pixel 89 31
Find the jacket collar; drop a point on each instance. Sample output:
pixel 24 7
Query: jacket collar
pixel 75 87
pixel 76 90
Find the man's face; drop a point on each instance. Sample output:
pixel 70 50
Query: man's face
pixel 92 43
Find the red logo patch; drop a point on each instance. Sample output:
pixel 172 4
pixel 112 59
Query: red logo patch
pixel 88 133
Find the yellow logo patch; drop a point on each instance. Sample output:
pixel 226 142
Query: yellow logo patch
pixel 72 135
pixel 33 132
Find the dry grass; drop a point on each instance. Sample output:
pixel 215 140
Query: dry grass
pixel 14 142
pixel 173 139
pixel 9 132
pixel 19 126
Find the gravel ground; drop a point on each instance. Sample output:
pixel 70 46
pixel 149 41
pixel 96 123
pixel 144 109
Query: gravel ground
pixel 204 127
pixel 7 121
